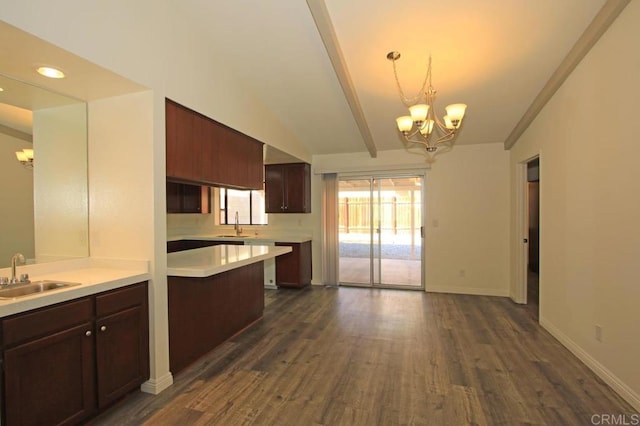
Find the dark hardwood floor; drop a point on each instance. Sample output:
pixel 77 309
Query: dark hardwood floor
pixel 351 356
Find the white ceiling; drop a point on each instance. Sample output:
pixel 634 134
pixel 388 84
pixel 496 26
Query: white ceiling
pixel 495 56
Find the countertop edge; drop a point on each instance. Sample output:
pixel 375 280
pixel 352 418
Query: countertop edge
pixel 209 270
pixel 248 238
pixel 28 303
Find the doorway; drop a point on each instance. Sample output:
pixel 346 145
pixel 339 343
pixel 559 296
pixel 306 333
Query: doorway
pixel 533 237
pixel 380 231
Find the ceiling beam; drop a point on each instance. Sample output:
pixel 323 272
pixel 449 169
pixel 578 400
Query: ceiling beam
pixel 609 12
pixel 16 133
pixel 327 34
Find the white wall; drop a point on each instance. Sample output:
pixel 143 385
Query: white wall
pixel 122 203
pixel 588 140
pixel 16 201
pixel 147 42
pixel 60 182
pixel 467 225
pixel 467 197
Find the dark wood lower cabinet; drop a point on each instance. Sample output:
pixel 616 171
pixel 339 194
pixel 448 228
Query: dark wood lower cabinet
pixel 122 342
pixel 62 364
pixel 294 269
pixel 51 380
pixel 204 312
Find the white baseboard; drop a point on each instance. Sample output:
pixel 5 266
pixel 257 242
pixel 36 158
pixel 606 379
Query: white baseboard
pixel 155 386
pixel 468 290
pixel 601 371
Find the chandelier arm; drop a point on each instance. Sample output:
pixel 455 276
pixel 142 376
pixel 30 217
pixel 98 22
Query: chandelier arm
pixel 444 138
pixel 421 141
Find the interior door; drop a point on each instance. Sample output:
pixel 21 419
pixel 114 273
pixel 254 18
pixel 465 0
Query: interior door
pixel 380 235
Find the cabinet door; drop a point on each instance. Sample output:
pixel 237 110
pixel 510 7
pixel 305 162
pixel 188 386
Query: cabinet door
pixel 122 353
pixel 274 188
pixel 294 269
pixel 122 341
pixel 288 188
pixel 184 198
pixel 180 143
pixel 297 188
pixel 209 154
pixel 51 380
pixel 255 156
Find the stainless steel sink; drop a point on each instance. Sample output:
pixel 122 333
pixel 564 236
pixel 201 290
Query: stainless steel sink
pixel 14 291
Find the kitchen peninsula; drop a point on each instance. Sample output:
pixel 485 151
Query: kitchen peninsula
pixel 292 270
pixel 214 293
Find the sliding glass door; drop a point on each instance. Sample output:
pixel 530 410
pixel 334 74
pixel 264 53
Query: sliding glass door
pixel 380 238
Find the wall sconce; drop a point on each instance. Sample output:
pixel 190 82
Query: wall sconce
pixel 25 157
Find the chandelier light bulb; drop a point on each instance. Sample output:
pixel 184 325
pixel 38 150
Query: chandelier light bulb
pixel 448 123
pixel 427 127
pixel 456 111
pixel 419 113
pixel 404 123
pixel 25 157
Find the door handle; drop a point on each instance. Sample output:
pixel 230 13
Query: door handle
pixel 525 240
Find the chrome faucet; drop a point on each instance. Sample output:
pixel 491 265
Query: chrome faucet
pixel 236 225
pixel 16 259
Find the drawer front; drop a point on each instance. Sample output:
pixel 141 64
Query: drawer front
pixel 46 321
pixel 120 299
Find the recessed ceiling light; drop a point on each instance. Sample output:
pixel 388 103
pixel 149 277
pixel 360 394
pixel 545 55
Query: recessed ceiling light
pixel 1 89
pixel 50 72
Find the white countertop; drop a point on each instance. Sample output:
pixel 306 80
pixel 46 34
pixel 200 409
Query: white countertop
pixel 247 238
pixel 207 261
pixel 93 275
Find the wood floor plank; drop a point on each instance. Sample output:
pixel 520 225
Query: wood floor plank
pixel 356 356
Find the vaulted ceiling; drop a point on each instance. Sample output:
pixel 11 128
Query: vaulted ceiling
pixel 494 56
pixel 321 67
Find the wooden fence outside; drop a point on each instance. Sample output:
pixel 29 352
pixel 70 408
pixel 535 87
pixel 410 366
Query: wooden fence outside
pixel 398 214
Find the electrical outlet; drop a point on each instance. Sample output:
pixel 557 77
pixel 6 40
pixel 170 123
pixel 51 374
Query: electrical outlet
pixel 598 333
pixel 462 273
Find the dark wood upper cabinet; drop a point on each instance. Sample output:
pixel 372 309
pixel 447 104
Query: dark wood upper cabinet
pixel 185 198
pixel 181 161
pixel 288 188
pixel 201 150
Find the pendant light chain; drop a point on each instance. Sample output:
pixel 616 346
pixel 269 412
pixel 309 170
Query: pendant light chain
pixel 421 93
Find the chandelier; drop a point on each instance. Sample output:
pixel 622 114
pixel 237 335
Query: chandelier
pixel 422 126
pixel 25 157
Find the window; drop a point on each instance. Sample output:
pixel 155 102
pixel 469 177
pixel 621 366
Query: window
pixel 248 204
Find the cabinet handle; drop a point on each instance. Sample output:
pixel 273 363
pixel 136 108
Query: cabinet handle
pixel 103 328
pixel 87 333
